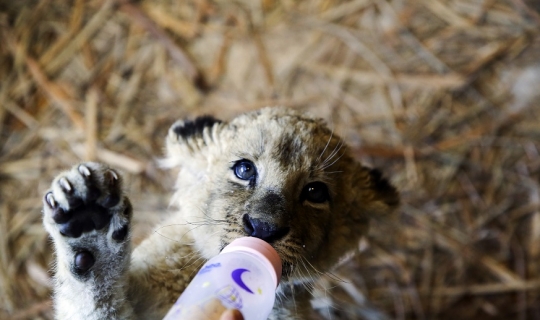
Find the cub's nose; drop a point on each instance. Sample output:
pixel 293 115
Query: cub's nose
pixel 263 230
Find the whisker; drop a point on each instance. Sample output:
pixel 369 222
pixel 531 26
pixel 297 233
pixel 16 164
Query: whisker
pixel 170 225
pixel 328 274
pixel 330 172
pixel 331 164
pixel 326 146
pixel 308 285
pixel 334 152
pixel 206 222
pixel 200 257
pixel 310 274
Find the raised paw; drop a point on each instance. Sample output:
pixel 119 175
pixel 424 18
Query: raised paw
pixel 86 198
pixel 87 216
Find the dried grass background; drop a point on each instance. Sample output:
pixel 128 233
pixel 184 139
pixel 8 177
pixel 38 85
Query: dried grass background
pixel 444 96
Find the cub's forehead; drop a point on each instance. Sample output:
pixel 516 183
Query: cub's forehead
pixel 290 138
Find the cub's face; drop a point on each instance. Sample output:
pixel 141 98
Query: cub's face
pixel 280 176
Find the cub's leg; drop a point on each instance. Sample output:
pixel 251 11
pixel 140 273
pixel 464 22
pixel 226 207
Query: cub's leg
pixel 88 217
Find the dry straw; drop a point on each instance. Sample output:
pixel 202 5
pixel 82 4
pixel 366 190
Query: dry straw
pixel 442 95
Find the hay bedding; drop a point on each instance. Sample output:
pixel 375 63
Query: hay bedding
pixel 443 95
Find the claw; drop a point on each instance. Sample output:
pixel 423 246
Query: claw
pixel 84 170
pixel 64 183
pixel 114 175
pixel 50 200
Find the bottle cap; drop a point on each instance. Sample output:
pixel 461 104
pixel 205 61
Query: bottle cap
pixel 261 249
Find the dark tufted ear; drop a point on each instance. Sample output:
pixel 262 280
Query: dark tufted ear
pixel 378 197
pixel 382 189
pixel 190 128
pixel 191 143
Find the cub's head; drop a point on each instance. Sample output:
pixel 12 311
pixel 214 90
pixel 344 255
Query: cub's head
pixel 278 175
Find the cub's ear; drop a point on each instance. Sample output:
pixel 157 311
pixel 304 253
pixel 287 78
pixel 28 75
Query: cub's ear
pixel 375 194
pixel 193 128
pixel 191 143
pixel 383 191
pixel 366 195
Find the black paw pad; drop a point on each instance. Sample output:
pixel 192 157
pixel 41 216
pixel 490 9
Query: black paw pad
pixel 72 229
pixel 60 215
pixel 83 261
pixel 92 194
pixel 83 219
pixel 120 234
pixel 111 200
pixel 101 219
pixel 74 202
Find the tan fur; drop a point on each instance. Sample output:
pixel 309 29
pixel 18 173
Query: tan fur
pixel 289 150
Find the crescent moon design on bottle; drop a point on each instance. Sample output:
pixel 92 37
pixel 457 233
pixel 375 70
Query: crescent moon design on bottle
pixel 237 277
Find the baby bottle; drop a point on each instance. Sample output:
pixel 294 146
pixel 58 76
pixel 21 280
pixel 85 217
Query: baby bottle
pixel 244 276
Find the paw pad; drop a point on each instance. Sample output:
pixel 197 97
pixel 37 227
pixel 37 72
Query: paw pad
pixel 61 216
pixel 111 201
pixel 83 261
pixel 87 214
pixel 120 234
pixel 83 219
pixel 84 199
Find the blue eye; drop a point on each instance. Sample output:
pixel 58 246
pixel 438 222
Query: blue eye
pixel 245 170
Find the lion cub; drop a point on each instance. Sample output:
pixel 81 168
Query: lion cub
pixel 275 174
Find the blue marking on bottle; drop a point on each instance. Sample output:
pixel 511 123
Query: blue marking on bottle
pixel 237 277
pixel 209 267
